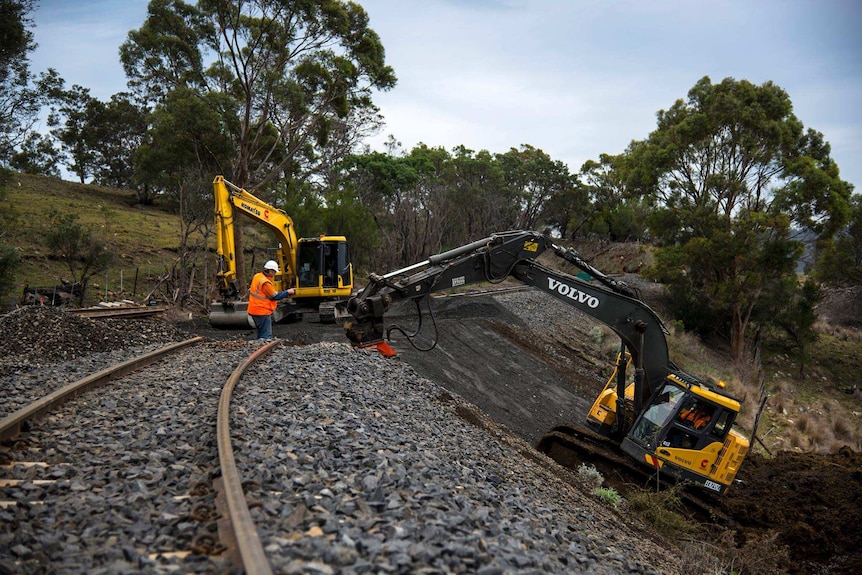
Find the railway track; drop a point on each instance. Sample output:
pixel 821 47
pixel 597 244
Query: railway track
pixel 41 471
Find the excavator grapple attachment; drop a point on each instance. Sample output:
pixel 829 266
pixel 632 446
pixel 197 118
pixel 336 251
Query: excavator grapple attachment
pixel 364 332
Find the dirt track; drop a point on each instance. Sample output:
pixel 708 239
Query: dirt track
pixel 810 503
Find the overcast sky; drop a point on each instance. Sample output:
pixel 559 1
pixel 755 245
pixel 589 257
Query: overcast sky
pixel 576 78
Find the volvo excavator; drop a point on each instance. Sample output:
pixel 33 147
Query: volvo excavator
pixel 664 420
pixel 318 268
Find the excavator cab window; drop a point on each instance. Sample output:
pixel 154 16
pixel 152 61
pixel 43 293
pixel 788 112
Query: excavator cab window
pixel 308 264
pixel 723 423
pixel 344 269
pixel 657 414
pixel 330 264
pixel 696 414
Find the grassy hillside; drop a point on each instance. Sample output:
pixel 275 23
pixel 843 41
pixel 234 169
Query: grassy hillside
pixel 141 239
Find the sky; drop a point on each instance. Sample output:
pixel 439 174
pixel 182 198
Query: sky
pixel 574 78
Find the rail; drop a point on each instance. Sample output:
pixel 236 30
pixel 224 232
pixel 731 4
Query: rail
pixel 10 426
pixel 240 524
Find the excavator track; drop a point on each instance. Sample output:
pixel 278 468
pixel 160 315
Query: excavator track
pixel 572 446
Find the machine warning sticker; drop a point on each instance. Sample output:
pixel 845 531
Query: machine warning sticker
pixel 531 246
pixel 459 281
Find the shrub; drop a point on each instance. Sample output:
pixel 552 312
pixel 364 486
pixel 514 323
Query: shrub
pixel 608 496
pixel 663 511
pixel 590 475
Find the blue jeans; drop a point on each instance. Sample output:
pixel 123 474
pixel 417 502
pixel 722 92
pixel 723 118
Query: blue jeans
pixel 263 324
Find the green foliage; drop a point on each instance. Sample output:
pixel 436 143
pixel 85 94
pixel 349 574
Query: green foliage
pixel 286 79
pixel 793 309
pixel 609 496
pixel 732 171
pixel 615 209
pixel 533 178
pixel 428 199
pixel 10 261
pixel 590 475
pixel 663 511
pixel 839 262
pixel 37 155
pixel 17 39
pixel 21 95
pixel 184 139
pixel 75 245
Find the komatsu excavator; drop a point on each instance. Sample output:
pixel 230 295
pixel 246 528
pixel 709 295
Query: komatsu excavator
pixel 664 420
pixel 318 268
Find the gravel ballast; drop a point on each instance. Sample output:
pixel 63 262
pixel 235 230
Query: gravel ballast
pixel 362 466
pixel 354 464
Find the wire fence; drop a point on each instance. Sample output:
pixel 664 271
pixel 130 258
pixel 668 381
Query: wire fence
pixel 187 287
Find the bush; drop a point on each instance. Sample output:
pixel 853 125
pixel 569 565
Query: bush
pixel 590 475
pixel 608 496
pixel 662 510
pixel 9 262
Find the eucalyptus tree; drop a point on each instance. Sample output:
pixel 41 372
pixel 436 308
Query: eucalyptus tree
pixel 616 209
pixel 734 176
pixel 22 94
pixel 485 204
pixel 378 182
pixel 839 262
pixel 280 76
pixel 73 123
pixel 533 178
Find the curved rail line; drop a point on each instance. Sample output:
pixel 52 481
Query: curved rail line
pixel 241 525
pixel 10 426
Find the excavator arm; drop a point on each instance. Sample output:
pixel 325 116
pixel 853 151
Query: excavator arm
pixel 644 421
pixel 513 254
pixel 230 200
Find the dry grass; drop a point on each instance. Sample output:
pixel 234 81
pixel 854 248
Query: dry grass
pixel 663 511
pixel 839 332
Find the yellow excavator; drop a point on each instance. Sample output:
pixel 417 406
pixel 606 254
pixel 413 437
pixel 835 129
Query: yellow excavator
pixel 318 268
pixel 662 421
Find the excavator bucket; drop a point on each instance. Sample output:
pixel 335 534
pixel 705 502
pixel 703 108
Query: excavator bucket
pixel 368 334
pixel 230 316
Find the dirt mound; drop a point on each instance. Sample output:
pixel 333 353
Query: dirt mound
pixel 35 335
pixel 813 502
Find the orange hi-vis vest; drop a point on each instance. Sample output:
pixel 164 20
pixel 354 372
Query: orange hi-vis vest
pixel 259 302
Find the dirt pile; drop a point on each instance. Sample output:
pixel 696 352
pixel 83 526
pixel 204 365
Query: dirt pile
pixel 36 335
pixel 812 502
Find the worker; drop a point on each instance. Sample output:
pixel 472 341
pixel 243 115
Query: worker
pixel 262 299
pixel 696 416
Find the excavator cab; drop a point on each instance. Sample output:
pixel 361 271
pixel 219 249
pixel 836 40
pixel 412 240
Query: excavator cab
pixel 323 263
pixel 686 431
